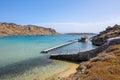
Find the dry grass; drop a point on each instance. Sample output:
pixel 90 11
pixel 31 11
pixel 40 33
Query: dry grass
pixel 106 66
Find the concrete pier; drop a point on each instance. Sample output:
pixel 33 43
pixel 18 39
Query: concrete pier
pixel 83 56
pixel 59 46
pixel 80 56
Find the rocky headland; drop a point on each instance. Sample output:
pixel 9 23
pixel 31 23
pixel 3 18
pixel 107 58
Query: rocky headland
pixel 102 37
pixel 15 29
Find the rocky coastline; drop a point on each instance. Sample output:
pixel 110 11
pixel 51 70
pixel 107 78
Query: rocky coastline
pixel 81 33
pixel 86 55
pixel 102 37
pixel 105 65
pixel 15 29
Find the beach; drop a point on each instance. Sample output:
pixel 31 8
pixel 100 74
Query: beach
pixel 65 73
pixel 59 40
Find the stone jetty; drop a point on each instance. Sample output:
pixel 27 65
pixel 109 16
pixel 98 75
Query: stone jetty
pixel 83 56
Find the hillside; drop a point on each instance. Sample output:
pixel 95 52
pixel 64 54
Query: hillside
pixel 110 32
pixel 105 66
pixel 14 29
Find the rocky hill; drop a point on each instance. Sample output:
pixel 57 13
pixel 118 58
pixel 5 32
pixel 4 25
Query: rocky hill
pixel 110 32
pixel 105 66
pixel 14 29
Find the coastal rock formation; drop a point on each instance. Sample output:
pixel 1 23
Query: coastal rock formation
pixel 14 29
pixel 110 32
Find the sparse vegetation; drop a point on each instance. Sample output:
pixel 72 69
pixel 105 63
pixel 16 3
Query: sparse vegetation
pixel 106 66
pixel 52 78
pixel 14 29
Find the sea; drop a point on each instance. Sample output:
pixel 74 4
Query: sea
pixel 21 57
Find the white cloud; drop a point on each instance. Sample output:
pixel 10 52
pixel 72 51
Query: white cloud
pixel 82 27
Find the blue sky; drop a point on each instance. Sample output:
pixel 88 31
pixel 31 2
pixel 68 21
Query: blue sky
pixel 62 15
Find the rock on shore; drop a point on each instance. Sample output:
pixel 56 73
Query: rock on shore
pixel 110 32
pixel 14 29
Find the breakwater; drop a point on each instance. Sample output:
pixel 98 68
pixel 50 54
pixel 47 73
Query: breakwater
pixel 83 56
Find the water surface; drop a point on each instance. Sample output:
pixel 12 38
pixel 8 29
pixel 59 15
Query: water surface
pixel 21 54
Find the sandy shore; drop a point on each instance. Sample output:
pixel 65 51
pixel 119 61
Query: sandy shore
pixel 69 71
pixel 64 73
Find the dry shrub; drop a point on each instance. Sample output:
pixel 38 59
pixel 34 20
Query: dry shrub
pixel 115 69
pixel 111 49
pixel 106 66
pixel 103 57
pixel 100 77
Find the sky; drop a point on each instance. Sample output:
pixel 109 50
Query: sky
pixel 65 16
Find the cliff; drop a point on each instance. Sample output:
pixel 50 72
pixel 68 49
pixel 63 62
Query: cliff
pixel 14 29
pixel 110 32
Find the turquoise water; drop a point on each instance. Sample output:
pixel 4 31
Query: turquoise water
pixel 23 52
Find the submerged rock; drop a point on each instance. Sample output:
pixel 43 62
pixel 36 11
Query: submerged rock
pixel 110 32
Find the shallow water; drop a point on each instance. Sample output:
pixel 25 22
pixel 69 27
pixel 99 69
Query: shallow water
pixel 20 55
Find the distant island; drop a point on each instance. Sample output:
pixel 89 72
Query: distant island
pixel 15 29
pixel 80 33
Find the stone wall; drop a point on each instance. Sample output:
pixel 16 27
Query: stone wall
pixel 83 56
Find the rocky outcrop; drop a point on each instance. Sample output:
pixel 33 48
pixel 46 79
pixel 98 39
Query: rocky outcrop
pixel 14 29
pixel 110 32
